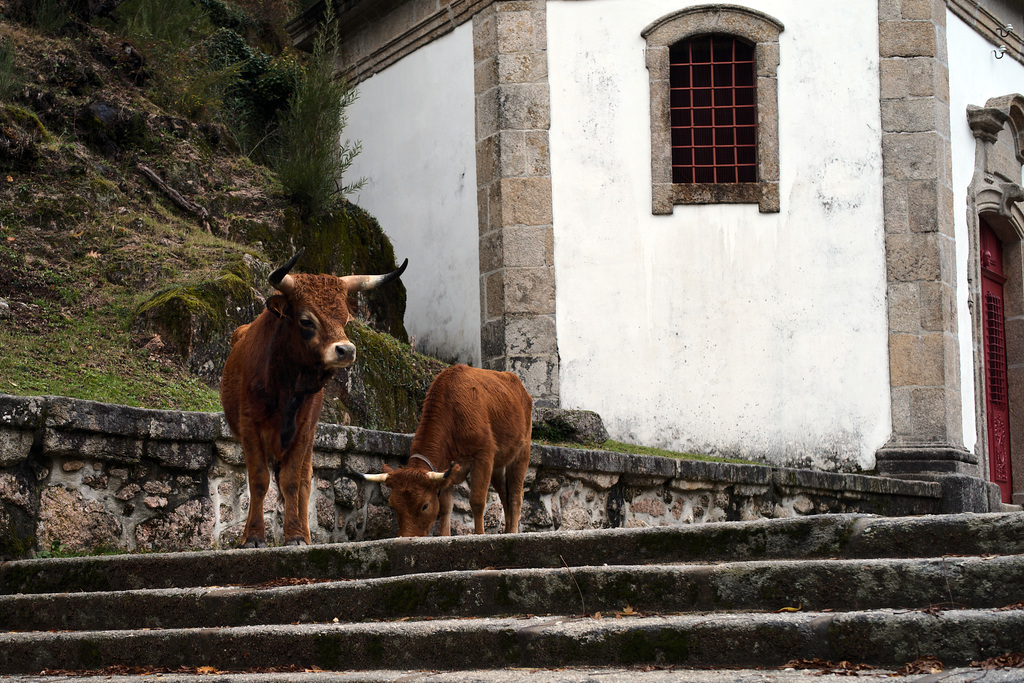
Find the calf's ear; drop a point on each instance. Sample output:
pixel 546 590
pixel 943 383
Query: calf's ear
pixel 447 481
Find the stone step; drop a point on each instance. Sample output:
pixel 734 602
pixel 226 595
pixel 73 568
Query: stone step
pixel 585 674
pixel 836 585
pixel 848 536
pixel 879 637
pixel 873 590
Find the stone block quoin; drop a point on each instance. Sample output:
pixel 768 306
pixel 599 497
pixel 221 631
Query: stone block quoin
pixel 517 279
pixel 918 209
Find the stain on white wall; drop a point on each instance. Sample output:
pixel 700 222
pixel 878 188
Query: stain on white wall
pixel 719 329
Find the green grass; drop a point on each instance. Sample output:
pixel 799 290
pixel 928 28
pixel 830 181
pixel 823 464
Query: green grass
pixel 633 449
pixel 8 80
pixel 93 358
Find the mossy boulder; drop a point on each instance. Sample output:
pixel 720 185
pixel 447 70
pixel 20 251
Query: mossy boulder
pixel 195 321
pixel 111 129
pixel 576 426
pixel 21 133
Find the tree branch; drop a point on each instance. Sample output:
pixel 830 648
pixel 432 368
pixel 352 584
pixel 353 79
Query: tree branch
pixel 176 197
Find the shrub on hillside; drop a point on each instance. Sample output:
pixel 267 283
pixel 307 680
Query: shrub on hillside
pixel 260 91
pixel 313 160
pixel 177 22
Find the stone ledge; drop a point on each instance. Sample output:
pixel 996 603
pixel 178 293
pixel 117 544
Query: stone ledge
pixel 23 412
pixel 701 472
pixel 145 489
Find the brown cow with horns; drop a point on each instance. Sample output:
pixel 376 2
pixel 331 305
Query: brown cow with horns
pixel 475 422
pixel 272 387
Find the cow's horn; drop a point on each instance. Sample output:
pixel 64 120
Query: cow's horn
pixel 280 279
pixel 439 476
pixel 382 477
pixel 361 283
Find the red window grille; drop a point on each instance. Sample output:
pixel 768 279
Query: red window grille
pixel 995 339
pixel 713 110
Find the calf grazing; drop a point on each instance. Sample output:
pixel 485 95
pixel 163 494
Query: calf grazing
pixel 475 422
pixel 272 387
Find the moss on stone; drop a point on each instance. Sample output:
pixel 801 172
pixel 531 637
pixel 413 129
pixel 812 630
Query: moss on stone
pixel 386 386
pixel 447 596
pixel 403 598
pixel 503 593
pixel 25 120
pixel 12 544
pixel 375 650
pixel 666 645
pixel 328 651
pixel 196 320
pixel 90 656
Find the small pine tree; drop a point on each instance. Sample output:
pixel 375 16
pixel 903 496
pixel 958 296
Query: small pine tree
pixel 313 159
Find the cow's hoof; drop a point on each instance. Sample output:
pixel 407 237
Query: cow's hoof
pixel 296 541
pixel 254 543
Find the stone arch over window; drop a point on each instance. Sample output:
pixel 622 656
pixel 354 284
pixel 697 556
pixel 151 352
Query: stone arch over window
pixel 994 199
pixel 752 27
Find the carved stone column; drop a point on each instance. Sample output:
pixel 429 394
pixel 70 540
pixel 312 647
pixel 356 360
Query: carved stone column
pixel 517 274
pixel 927 429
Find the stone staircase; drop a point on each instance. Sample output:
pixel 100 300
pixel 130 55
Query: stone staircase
pixel 864 589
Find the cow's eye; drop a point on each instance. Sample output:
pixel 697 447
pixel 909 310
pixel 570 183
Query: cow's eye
pixel 426 506
pixel 306 322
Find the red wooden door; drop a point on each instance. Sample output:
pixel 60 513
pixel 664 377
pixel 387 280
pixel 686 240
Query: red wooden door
pixel 996 377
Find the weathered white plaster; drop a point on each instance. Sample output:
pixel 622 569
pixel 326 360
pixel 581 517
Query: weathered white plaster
pixel 719 329
pixel 975 76
pixel 416 123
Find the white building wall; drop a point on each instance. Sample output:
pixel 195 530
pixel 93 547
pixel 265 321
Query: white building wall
pixel 975 76
pixel 720 329
pixel 416 123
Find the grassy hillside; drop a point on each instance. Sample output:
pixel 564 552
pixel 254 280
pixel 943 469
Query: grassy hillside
pixel 139 208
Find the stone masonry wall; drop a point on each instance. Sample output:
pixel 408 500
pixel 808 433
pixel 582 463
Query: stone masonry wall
pixel 83 476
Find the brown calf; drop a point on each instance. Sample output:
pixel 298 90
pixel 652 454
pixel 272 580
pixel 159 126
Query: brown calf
pixel 272 387
pixel 475 422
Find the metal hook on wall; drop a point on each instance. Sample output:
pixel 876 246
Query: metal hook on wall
pixel 999 51
pixel 1005 31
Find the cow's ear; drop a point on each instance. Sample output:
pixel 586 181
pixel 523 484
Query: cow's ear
pixel 278 305
pixel 353 306
pixel 387 470
pixel 448 481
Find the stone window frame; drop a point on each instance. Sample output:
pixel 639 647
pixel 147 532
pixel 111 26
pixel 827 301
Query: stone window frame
pixel 763 32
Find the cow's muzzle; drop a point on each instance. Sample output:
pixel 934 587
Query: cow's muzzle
pixel 340 355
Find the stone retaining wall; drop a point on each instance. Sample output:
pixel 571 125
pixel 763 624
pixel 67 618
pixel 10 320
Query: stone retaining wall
pixel 78 475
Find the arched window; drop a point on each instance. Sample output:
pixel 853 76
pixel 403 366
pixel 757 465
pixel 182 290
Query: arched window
pixel 714 107
pixel 713 110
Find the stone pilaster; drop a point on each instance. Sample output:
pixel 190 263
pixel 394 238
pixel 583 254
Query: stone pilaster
pixel 517 276
pixel 927 429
